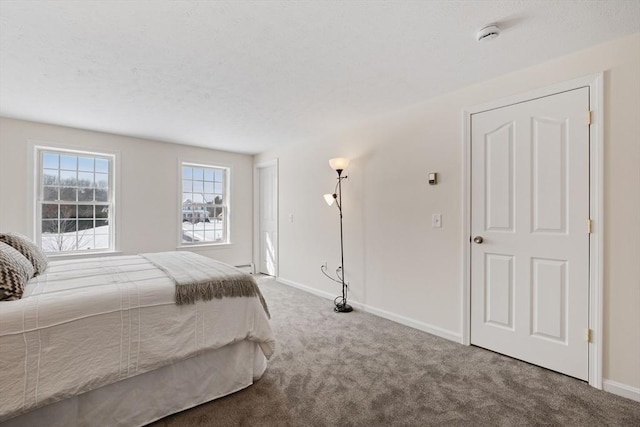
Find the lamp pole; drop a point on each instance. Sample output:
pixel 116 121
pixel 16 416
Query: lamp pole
pixel 339 164
pixel 342 307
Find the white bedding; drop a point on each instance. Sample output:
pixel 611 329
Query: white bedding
pixel 88 323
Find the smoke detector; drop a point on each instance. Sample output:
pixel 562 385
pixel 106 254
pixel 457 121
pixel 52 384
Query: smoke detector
pixel 487 33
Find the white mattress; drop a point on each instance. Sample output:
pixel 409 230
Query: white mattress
pixel 92 322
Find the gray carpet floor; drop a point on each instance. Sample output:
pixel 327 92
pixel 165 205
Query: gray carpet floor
pixel 357 369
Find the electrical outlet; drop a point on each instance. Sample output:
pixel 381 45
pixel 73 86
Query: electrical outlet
pixel 436 220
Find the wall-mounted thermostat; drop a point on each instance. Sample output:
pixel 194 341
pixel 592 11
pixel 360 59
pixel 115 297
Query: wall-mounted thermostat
pixel 433 178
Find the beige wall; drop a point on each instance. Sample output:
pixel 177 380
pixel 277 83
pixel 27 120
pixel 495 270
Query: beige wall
pixel 149 186
pixel 396 263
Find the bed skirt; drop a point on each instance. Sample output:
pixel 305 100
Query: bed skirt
pixel 147 397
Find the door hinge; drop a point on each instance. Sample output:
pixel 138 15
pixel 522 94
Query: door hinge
pixel 588 335
pixel 589 226
pixel 589 117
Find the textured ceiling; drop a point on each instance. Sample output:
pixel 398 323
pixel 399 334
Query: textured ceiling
pixel 247 75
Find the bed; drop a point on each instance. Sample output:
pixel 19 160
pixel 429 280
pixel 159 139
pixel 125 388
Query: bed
pixel 103 341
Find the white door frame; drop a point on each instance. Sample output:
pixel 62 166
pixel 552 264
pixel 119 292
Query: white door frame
pixel 256 215
pixel 596 209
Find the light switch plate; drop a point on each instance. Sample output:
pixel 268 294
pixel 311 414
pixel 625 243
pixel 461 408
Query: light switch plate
pixel 436 220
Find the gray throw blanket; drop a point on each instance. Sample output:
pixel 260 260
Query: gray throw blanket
pixel 200 278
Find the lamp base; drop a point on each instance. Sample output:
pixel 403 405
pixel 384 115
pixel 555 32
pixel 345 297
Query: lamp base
pixel 343 308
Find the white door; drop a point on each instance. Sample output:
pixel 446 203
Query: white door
pixel 530 207
pixel 268 218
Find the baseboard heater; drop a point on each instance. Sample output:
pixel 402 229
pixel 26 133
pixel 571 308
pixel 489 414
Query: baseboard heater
pixel 247 268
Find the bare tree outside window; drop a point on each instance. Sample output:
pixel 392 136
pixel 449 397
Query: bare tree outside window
pixel 75 201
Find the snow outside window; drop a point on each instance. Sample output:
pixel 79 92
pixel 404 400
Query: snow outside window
pixel 205 204
pixel 74 204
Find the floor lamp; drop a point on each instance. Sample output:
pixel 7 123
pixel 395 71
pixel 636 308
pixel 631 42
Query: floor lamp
pixel 339 165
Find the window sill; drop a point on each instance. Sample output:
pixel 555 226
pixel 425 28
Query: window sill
pixel 204 246
pixel 77 255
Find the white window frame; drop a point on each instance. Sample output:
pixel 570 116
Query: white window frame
pixel 38 197
pixel 226 205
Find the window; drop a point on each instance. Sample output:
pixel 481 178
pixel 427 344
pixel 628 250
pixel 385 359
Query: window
pixel 74 204
pixel 205 204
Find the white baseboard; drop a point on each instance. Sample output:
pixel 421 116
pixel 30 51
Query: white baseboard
pixel 415 324
pixel 308 289
pixel 621 389
pixel 421 326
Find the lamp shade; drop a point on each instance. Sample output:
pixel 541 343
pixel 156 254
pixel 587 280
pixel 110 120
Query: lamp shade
pixel 339 163
pixel 329 199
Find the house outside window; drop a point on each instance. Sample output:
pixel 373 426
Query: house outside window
pixel 204 204
pixel 74 201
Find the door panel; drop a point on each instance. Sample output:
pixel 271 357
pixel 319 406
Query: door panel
pixel 549 175
pixel 549 299
pixel 499 178
pixel 499 290
pixel 268 218
pixel 530 205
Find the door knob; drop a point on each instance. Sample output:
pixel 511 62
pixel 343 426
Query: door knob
pixel 478 239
